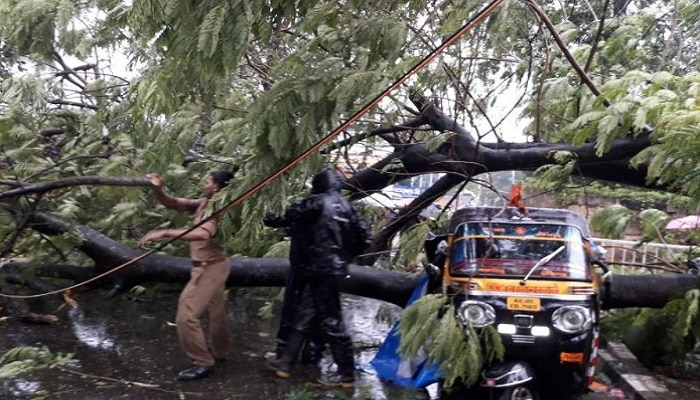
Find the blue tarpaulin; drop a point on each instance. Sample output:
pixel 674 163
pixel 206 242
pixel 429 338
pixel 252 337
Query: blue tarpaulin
pixel 391 366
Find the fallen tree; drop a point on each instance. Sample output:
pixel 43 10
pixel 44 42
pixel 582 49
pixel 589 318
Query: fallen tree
pixel 390 286
pixel 460 156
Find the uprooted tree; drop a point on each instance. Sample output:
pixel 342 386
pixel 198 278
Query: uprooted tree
pixel 394 287
pixel 605 94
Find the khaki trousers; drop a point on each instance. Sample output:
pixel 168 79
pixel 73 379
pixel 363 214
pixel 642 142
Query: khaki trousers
pixel 204 293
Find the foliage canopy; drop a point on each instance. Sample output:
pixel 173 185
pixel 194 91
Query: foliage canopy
pixel 179 87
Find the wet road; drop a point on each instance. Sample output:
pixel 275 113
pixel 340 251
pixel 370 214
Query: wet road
pixel 129 350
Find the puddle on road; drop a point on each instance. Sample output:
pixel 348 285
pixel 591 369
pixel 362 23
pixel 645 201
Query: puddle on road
pixel 91 333
pixel 123 346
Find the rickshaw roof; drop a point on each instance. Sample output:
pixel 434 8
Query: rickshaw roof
pixel 512 214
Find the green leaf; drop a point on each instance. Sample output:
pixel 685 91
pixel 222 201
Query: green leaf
pixel 411 242
pixel 652 222
pixel 210 29
pixel 429 326
pixel 612 221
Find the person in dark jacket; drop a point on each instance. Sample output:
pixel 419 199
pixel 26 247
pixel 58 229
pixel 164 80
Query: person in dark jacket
pixel 312 348
pixel 331 233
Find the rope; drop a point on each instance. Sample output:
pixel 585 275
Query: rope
pixel 420 65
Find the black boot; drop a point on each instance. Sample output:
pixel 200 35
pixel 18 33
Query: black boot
pixel 284 364
pixel 312 352
pixel 194 372
pixel 344 358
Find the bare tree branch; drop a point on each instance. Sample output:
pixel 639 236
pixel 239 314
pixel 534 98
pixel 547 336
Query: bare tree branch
pixel 562 46
pixel 73 103
pixel 76 181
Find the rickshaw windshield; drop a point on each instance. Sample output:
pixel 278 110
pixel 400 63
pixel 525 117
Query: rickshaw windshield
pixel 512 249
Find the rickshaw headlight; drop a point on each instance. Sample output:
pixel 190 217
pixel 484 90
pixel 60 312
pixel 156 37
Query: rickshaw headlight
pixel 571 319
pixel 477 313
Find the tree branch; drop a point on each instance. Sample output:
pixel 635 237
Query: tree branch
pixel 409 213
pixel 19 228
pixel 73 103
pixel 76 181
pixel 562 46
pixel 598 37
pixel 377 132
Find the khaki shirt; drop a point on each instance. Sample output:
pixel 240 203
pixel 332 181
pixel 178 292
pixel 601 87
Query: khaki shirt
pixel 205 250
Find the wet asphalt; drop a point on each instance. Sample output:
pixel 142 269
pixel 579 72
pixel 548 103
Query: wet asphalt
pixel 128 350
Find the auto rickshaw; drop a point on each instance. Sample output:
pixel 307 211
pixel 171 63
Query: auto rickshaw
pixel 532 277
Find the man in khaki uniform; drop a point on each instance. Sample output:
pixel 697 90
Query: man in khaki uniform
pixel 205 290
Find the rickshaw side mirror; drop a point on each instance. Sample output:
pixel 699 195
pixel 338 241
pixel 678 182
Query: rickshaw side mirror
pixel 607 277
pixel 442 248
pixel 607 273
pixel 601 264
pixel 434 274
pixel 436 250
pixel 435 247
pixel 432 270
pixel 437 263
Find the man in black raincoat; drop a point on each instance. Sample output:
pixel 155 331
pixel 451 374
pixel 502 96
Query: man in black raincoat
pixel 330 234
pixel 312 348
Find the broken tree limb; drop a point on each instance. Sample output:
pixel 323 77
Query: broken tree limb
pixel 76 181
pixel 390 286
pixel 625 291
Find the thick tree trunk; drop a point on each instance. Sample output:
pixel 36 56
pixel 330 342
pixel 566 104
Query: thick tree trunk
pixel 647 290
pixel 389 286
pixel 392 287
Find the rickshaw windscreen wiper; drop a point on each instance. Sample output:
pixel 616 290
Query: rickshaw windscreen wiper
pixel 542 261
